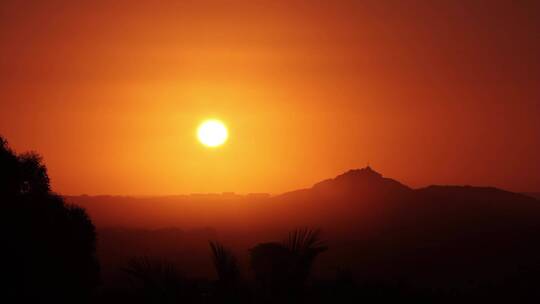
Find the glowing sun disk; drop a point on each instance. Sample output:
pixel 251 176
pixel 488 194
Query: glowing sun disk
pixel 212 133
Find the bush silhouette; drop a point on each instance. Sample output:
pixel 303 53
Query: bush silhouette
pixel 48 245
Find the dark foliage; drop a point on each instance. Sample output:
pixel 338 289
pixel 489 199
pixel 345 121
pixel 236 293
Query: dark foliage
pixel 228 286
pixel 157 281
pixel 48 247
pixel 225 264
pixel 281 269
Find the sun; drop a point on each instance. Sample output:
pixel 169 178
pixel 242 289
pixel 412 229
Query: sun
pixel 212 133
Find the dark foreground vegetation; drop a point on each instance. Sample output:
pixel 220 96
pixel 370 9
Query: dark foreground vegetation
pixel 383 242
pixel 48 246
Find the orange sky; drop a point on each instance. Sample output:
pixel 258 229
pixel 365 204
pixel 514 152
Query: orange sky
pixel 425 91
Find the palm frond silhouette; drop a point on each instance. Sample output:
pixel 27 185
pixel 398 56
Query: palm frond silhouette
pixel 305 242
pixel 225 263
pixel 282 268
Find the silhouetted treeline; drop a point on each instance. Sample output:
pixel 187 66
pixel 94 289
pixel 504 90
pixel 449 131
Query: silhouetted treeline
pixel 48 246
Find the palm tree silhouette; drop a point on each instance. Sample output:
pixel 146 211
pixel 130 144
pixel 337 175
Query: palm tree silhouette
pixel 305 245
pixel 225 263
pixel 282 268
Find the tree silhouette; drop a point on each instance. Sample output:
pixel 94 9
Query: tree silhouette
pixel 305 245
pixel 228 272
pixel 283 268
pixel 225 264
pixel 48 246
pixel 9 173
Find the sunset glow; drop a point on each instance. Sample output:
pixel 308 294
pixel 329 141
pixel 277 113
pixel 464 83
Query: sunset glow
pixel 280 151
pixel 311 89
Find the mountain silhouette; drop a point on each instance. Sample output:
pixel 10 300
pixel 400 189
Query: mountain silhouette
pixel 366 182
pixel 361 195
pixel 357 180
pixel 457 242
pixel 359 201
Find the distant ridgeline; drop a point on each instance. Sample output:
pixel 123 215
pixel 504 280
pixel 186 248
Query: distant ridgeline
pixel 533 194
pixel 446 238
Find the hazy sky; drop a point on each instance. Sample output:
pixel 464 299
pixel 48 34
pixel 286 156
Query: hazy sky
pixel 111 92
